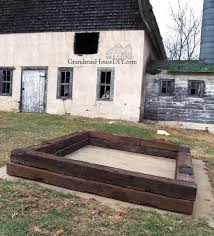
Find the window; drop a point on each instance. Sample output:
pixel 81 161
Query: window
pixel 65 83
pixel 166 87
pixel 105 84
pixel 6 77
pixel 196 88
pixel 86 43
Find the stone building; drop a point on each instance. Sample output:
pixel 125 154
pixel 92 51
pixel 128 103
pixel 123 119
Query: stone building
pixel 183 91
pixel 180 91
pixel 100 58
pixel 77 57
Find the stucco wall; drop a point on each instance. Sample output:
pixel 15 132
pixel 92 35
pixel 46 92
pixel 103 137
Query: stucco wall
pixel 180 106
pixel 54 50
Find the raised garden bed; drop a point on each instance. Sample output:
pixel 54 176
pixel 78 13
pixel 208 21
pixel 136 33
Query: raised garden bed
pixel 48 163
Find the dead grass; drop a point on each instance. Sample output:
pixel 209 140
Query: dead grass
pixel 19 130
pixel 31 210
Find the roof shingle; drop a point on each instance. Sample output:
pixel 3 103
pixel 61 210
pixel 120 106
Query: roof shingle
pixel 181 67
pixel 20 16
pixel 34 16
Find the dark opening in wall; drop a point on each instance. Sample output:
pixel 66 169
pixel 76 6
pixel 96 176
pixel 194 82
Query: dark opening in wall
pixel 105 84
pixel 166 87
pixel 65 83
pixel 6 77
pixel 196 88
pixel 86 43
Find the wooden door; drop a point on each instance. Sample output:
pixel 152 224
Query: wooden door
pixel 33 91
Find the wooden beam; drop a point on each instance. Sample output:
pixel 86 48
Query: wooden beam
pixel 134 140
pixel 102 189
pixel 133 144
pixel 184 166
pixel 55 145
pixel 72 148
pixel 104 174
pixel 132 147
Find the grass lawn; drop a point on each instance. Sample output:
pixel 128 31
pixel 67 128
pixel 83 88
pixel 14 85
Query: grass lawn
pixel 31 210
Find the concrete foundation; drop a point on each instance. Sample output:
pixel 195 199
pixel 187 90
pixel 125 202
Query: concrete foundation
pixel 145 164
pixel 187 125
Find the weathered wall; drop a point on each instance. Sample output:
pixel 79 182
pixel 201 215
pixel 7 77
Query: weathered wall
pixel 54 50
pixel 179 107
pixel 149 54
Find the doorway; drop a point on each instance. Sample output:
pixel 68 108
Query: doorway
pixel 33 94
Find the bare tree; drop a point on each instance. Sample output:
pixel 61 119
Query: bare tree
pixel 183 41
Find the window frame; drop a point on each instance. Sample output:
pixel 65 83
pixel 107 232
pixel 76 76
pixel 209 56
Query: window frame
pixel 59 73
pixel 99 72
pixel 84 53
pixel 160 87
pixel 2 69
pixel 203 89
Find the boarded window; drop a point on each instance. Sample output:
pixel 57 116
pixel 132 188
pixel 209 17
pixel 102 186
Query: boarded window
pixel 196 88
pixel 65 83
pixel 86 43
pixel 105 84
pixel 6 79
pixel 166 87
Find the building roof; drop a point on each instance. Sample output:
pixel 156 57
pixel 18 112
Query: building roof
pixel 156 67
pixel 28 16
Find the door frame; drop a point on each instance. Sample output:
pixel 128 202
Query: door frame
pixel 45 68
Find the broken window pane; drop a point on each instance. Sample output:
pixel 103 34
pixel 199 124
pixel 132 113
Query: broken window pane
pixel 103 77
pixel 68 75
pixel 164 90
pixel 65 83
pixel 196 88
pixel 105 85
pixel 62 77
pixel 6 88
pixel 64 91
pixel 166 87
pixel 105 92
pixel 108 77
pixel 102 91
pixel 193 91
pixel 108 88
pixel 6 83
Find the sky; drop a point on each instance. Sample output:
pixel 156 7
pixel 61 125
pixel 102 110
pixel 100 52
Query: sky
pixel 161 10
